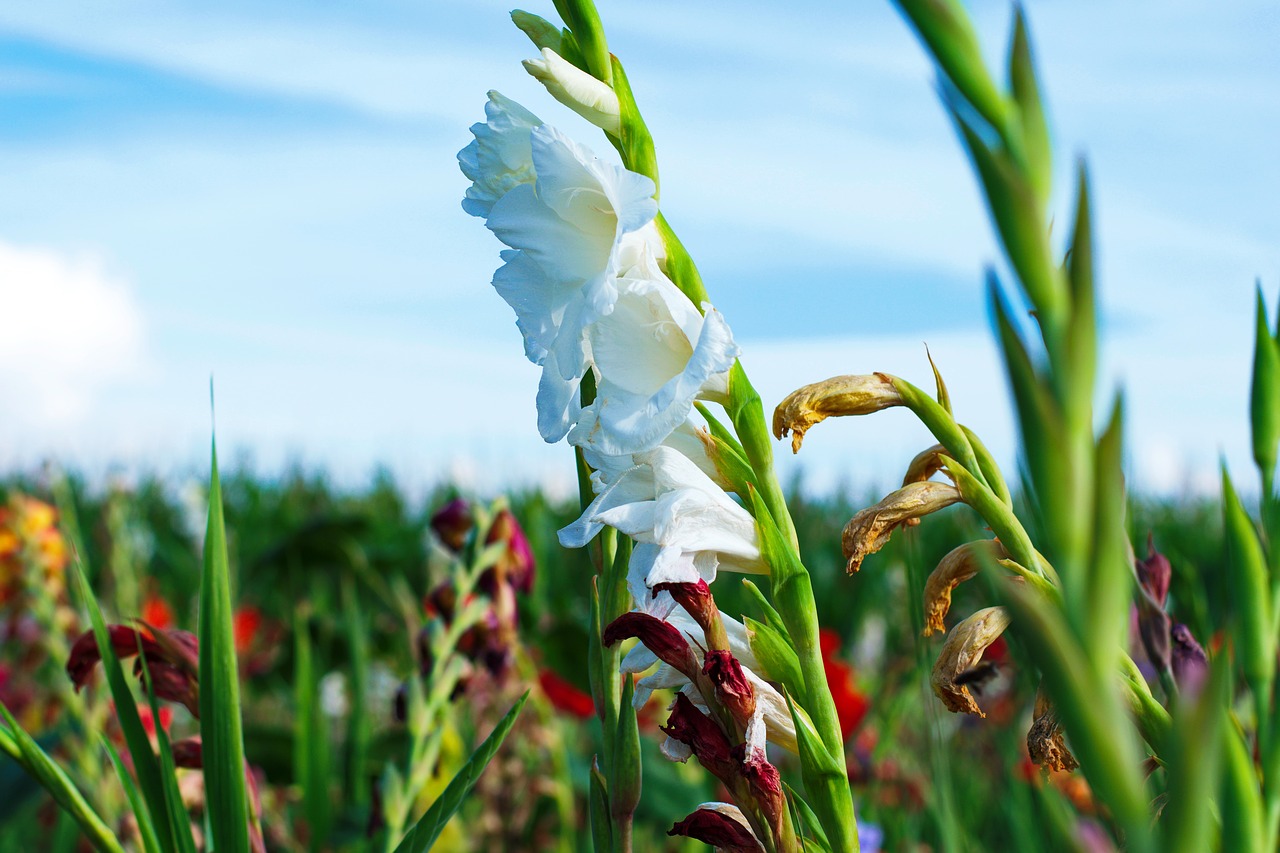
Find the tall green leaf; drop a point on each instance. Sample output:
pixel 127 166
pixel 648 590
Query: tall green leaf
pixel 145 763
pixel 220 726
pixel 427 830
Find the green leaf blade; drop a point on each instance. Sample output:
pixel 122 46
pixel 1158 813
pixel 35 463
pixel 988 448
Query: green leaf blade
pixel 428 828
pixel 220 725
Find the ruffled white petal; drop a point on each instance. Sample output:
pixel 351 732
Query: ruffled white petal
pixel 500 158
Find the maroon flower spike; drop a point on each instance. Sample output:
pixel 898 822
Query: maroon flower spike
pixel 732 688
pixel 704 738
pixel 517 562
pixel 452 523
pixel 661 638
pixel 719 830
pixel 172 659
pixel 1190 666
pixel 1154 573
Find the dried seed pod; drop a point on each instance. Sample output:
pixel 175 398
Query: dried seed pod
pixel 869 530
pixel 961 652
pixel 1045 743
pixel 954 569
pixel 834 397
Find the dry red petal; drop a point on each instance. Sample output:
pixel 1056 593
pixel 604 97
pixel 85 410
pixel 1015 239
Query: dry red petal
pixel 717 829
pixel 704 738
pixel 661 638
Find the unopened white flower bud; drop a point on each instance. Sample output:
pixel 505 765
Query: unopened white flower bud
pixel 577 90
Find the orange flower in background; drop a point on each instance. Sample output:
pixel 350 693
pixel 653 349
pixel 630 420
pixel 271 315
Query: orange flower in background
pixel 32 550
pixel 851 704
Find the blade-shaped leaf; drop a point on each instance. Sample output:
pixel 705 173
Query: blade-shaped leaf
pixel 150 841
pixel 145 762
pixel 220 727
pixel 426 830
pixel 23 748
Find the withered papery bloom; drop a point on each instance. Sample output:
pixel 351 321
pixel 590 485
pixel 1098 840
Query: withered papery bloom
pixel 1045 743
pixel 869 530
pixel 834 397
pixel 958 566
pixel 962 651
pixel 924 465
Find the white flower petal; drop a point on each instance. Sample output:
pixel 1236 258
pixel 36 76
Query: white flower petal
pixel 500 158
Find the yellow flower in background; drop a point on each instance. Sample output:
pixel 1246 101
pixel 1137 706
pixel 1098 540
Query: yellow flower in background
pixel 32 549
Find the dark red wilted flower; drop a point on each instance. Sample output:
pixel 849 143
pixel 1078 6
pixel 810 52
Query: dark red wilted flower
pixel 717 829
pixel 188 753
pixel 1154 573
pixel 704 738
pixel 696 600
pixel 661 638
pixel 1189 664
pixel 452 523
pixel 851 703
pixel 732 688
pixel 564 696
pixel 172 659
pixel 517 563
pixel 765 781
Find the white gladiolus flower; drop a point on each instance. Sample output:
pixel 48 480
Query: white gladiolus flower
pixel 500 158
pixel 590 98
pixel 667 502
pixel 574 221
pixel 689 438
pixel 654 355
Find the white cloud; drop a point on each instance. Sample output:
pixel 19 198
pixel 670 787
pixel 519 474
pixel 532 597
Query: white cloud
pixel 70 330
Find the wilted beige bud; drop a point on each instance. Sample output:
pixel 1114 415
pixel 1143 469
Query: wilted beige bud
pixel 961 652
pixel 839 395
pixel 954 569
pixel 925 464
pixel 1045 743
pixel 869 530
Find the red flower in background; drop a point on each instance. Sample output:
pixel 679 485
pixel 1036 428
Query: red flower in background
pixel 564 696
pixel 851 704
pixel 245 627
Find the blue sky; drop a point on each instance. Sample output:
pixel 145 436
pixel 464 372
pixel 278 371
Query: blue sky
pixel 270 195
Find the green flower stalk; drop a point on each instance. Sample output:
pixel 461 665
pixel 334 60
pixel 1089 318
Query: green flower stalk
pixel 629 349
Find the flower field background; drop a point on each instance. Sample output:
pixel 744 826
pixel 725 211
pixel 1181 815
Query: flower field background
pixel 307 555
pixel 986 657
